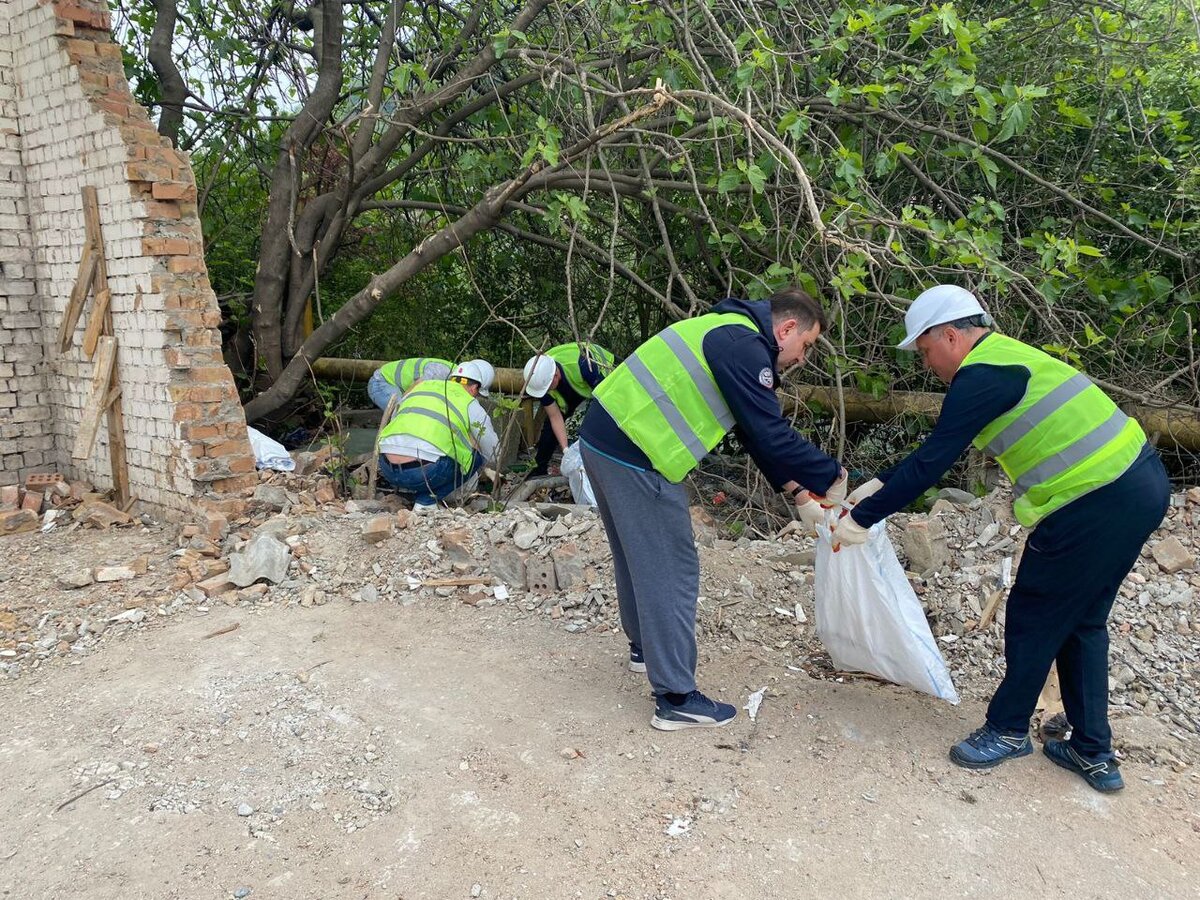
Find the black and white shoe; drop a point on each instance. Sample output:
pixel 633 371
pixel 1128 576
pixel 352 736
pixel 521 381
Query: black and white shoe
pixel 696 711
pixel 637 662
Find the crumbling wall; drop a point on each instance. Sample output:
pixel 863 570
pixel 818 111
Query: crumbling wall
pixel 69 121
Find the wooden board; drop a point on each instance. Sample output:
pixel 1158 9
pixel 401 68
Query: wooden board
pixel 96 322
pixel 89 423
pixel 79 294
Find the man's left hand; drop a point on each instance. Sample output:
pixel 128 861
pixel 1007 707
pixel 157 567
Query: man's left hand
pixel 847 531
pixel 836 493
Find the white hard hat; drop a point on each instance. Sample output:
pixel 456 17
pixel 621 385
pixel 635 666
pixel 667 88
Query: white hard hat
pixel 474 372
pixel 489 375
pixel 937 306
pixel 539 374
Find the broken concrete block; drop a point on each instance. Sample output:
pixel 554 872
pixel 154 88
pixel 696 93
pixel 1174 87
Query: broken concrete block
pixel 539 575
pixel 32 500
pixel 377 528
pixel 99 514
pixel 73 580
pixel 568 565
pixel 508 565
pixel 10 496
pixel 18 520
pixel 457 546
pixel 271 496
pixel 925 544
pixel 1172 556
pixel 216 526
pixel 263 557
pixel 525 535
pixel 123 573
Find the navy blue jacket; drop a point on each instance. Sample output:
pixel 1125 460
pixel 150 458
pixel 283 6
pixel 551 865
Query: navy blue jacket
pixel 743 365
pixel 978 394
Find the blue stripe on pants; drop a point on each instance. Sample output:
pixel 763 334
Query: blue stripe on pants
pixel 1074 562
pixel 649 529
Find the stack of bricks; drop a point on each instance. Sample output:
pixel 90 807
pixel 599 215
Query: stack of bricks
pixel 67 120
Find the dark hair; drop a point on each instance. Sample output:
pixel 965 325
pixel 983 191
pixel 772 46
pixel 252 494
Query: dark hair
pixel 794 303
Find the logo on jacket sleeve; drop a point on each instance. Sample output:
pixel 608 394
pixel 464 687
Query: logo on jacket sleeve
pixel 766 378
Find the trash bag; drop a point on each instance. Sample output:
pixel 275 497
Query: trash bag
pixel 870 620
pixel 572 467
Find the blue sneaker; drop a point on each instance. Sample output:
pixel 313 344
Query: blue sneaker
pixel 987 746
pixel 696 711
pixel 637 662
pixel 1103 775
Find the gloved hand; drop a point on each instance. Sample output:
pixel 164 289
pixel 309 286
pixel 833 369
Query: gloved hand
pixel 809 511
pixel 863 491
pixel 848 532
pixel 836 493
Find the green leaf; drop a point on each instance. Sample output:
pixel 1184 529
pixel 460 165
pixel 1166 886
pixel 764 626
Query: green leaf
pixel 730 179
pixel 757 178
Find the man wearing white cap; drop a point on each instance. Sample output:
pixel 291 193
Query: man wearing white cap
pixel 440 436
pixel 562 378
pixel 1085 481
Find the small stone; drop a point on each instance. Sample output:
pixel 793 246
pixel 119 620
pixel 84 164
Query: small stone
pixel 568 565
pixel 525 535
pixel 271 496
pixel 241 892
pixel 476 890
pixel 263 557
pixel 73 580
pixel 925 544
pixel 1171 556
pixel 245 809
pixel 456 544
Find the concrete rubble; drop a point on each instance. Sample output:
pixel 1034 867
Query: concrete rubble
pixel 290 546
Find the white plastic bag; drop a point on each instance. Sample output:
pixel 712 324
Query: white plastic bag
pixel 870 620
pixel 269 453
pixel 572 467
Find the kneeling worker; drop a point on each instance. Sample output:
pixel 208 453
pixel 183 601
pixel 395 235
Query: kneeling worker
pixel 439 437
pixel 1084 479
pixel 398 376
pixel 562 378
pixel 655 418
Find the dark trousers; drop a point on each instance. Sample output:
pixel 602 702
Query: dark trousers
pixel 548 443
pixel 1074 562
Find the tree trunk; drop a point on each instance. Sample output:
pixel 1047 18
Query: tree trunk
pixel 170 83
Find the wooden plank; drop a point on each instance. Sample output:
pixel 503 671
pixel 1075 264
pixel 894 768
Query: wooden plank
pixel 79 294
pixel 89 424
pixel 116 416
pixel 96 322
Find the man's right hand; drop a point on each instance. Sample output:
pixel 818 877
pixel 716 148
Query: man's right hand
pixel 836 493
pixel 809 511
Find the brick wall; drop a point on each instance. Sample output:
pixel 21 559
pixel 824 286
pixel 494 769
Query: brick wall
pixel 67 120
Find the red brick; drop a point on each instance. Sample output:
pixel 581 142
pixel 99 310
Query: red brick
pixel 160 209
pixel 182 265
pixel 226 448
pixel 174 190
pixel 209 374
pixel 80 48
pixel 166 246
pixel 92 18
pixel 32 500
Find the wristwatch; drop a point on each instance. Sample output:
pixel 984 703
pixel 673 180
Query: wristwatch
pixel 795 491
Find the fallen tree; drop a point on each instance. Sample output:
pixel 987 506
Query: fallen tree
pixel 1166 427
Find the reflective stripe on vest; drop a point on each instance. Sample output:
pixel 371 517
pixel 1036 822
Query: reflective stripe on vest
pixel 403 372
pixel 1065 438
pixel 665 400
pixel 445 403
pixel 567 356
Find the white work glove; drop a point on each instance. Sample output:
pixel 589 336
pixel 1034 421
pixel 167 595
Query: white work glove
pixel 809 511
pixel 836 493
pixel 863 491
pixel 848 532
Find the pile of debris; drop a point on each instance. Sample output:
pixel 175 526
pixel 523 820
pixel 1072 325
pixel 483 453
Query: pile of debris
pixel 47 499
pixel 291 541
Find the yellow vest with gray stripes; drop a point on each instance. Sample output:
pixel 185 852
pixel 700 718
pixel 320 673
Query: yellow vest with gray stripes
pixel 1064 439
pixel 437 412
pixel 567 356
pixel 665 399
pixel 403 372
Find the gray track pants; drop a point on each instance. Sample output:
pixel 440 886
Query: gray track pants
pixel 657 570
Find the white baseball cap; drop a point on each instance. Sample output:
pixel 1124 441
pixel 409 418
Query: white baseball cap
pixel 475 372
pixel 937 306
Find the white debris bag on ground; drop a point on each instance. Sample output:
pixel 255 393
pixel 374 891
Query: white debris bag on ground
pixel 269 453
pixel 870 620
pixel 572 467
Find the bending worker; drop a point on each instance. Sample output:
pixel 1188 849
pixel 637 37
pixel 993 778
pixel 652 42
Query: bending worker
pixel 1084 479
pixel 397 377
pixel 655 418
pixel 562 378
pixel 439 437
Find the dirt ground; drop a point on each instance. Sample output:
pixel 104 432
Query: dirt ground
pixel 434 750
